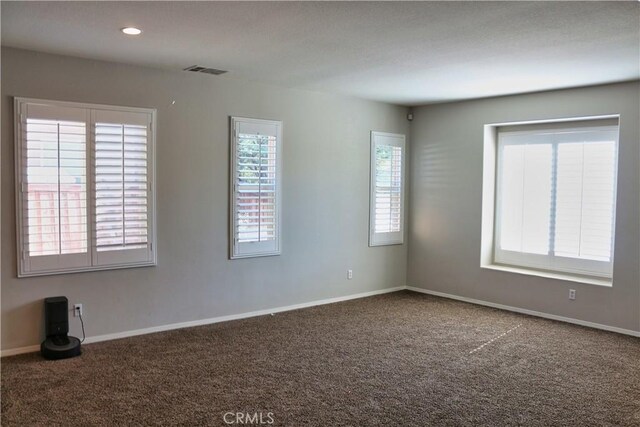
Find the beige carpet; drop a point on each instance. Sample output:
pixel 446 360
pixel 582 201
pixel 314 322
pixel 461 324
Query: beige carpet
pixel 401 359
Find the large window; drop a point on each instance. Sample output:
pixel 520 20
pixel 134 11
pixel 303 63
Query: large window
pixel 83 174
pixel 256 171
pixel 555 196
pixel 386 216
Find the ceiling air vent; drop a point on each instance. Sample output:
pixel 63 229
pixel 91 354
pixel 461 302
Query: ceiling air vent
pixel 200 69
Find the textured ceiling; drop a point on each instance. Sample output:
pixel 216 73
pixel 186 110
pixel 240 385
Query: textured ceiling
pixel 401 52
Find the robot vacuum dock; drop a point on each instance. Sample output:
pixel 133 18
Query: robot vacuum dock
pixel 58 345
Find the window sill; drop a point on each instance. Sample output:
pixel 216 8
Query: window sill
pixel 85 269
pixel 255 255
pixel 374 245
pixel 598 281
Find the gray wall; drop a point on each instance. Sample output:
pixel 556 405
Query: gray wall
pixel 325 199
pixel 446 193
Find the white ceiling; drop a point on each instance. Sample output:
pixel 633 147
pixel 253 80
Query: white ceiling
pixel 400 52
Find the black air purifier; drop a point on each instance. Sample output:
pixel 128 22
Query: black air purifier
pixel 58 344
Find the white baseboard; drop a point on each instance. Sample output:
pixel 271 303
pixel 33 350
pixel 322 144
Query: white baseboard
pixel 201 322
pixel 529 312
pixel 20 350
pixel 131 333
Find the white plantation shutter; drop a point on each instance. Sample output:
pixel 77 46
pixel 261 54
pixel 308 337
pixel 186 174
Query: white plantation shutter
pixel 122 187
pixel 584 210
pixel 556 198
pixel 85 199
pixel 526 194
pixel 256 174
pixel 52 181
pixel 387 189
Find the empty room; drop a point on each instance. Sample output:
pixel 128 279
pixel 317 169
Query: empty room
pixel 320 213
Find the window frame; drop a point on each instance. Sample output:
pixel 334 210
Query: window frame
pixel 564 268
pixel 254 249
pixel 388 238
pixel 23 261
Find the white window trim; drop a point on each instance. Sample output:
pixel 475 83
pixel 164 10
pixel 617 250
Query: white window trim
pixel 489 259
pixel 391 238
pixel 234 246
pixel 19 173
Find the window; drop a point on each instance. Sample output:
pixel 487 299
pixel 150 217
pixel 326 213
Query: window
pixel 386 215
pixel 256 171
pixel 84 199
pixel 555 196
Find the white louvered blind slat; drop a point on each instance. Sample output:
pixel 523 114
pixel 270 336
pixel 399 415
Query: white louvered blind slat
pixel 85 196
pixel 54 159
pixel 256 187
pixel 556 199
pixel 585 200
pixel 256 183
pixel 121 196
pixel 387 189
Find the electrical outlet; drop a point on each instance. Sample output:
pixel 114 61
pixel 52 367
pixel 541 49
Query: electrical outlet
pixel 77 310
pixel 349 274
pixel 572 294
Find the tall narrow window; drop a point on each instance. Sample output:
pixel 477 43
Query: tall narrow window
pixel 555 204
pixel 83 177
pixel 386 216
pixel 256 158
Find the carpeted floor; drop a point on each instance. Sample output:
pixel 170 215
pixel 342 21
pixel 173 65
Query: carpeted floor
pixel 401 359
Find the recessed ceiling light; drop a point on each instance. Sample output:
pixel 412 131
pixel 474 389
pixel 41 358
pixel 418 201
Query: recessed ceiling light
pixel 131 31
